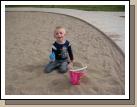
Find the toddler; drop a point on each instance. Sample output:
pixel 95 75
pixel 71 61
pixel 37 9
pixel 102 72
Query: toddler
pixel 62 55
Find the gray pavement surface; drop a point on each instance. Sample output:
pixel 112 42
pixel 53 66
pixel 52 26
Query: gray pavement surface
pixel 111 23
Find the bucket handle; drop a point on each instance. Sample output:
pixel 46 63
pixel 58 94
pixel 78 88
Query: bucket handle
pixel 80 69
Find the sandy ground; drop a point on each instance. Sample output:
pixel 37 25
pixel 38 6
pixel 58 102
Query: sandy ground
pixel 111 23
pixel 28 39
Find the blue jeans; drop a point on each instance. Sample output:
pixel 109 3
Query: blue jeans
pixel 60 65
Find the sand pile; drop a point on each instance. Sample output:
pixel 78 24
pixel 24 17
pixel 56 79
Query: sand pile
pixel 29 36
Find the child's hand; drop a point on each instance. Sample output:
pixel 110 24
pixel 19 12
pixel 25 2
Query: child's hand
pixel 52 57
pixel 51 61
pixel 70 65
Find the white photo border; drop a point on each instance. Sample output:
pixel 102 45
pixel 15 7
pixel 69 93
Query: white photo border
pixel 4 96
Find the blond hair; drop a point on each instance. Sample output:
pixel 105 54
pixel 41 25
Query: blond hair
pixel 60 27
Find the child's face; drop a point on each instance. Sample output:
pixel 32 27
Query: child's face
pixel 59 34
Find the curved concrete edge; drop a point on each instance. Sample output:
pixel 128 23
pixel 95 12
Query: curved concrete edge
pixel 43 10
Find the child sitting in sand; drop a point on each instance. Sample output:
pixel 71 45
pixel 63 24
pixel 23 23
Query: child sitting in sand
pixel 62 56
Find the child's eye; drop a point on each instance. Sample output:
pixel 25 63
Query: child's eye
pixel 59 33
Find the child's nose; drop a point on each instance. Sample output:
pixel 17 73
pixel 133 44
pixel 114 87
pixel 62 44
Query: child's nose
pixel 59 34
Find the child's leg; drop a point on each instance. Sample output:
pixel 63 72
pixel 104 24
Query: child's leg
pixel 63 67
pixel 51 66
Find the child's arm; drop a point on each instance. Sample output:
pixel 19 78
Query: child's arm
pixel 70 65
pixel 70 53
pixel 52 54
pixel 52 57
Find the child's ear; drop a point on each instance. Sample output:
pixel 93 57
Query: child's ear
pixel 54 34
pixel 66 32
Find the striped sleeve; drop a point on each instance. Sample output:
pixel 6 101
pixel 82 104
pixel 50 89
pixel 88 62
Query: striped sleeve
pixel 53 47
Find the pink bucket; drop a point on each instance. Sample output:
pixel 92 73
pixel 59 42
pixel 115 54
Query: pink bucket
pixel 75 77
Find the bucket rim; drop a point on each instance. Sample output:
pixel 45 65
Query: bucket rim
pixel 79 69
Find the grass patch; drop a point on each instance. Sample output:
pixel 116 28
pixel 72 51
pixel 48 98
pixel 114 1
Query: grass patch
pixel 79 7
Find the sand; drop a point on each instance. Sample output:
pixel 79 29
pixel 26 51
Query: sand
pixel 28 40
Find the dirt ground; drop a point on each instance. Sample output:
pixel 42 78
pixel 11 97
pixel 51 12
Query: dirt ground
pixel 28 40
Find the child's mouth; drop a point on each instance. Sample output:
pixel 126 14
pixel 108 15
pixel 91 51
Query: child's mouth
pixel 59 37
